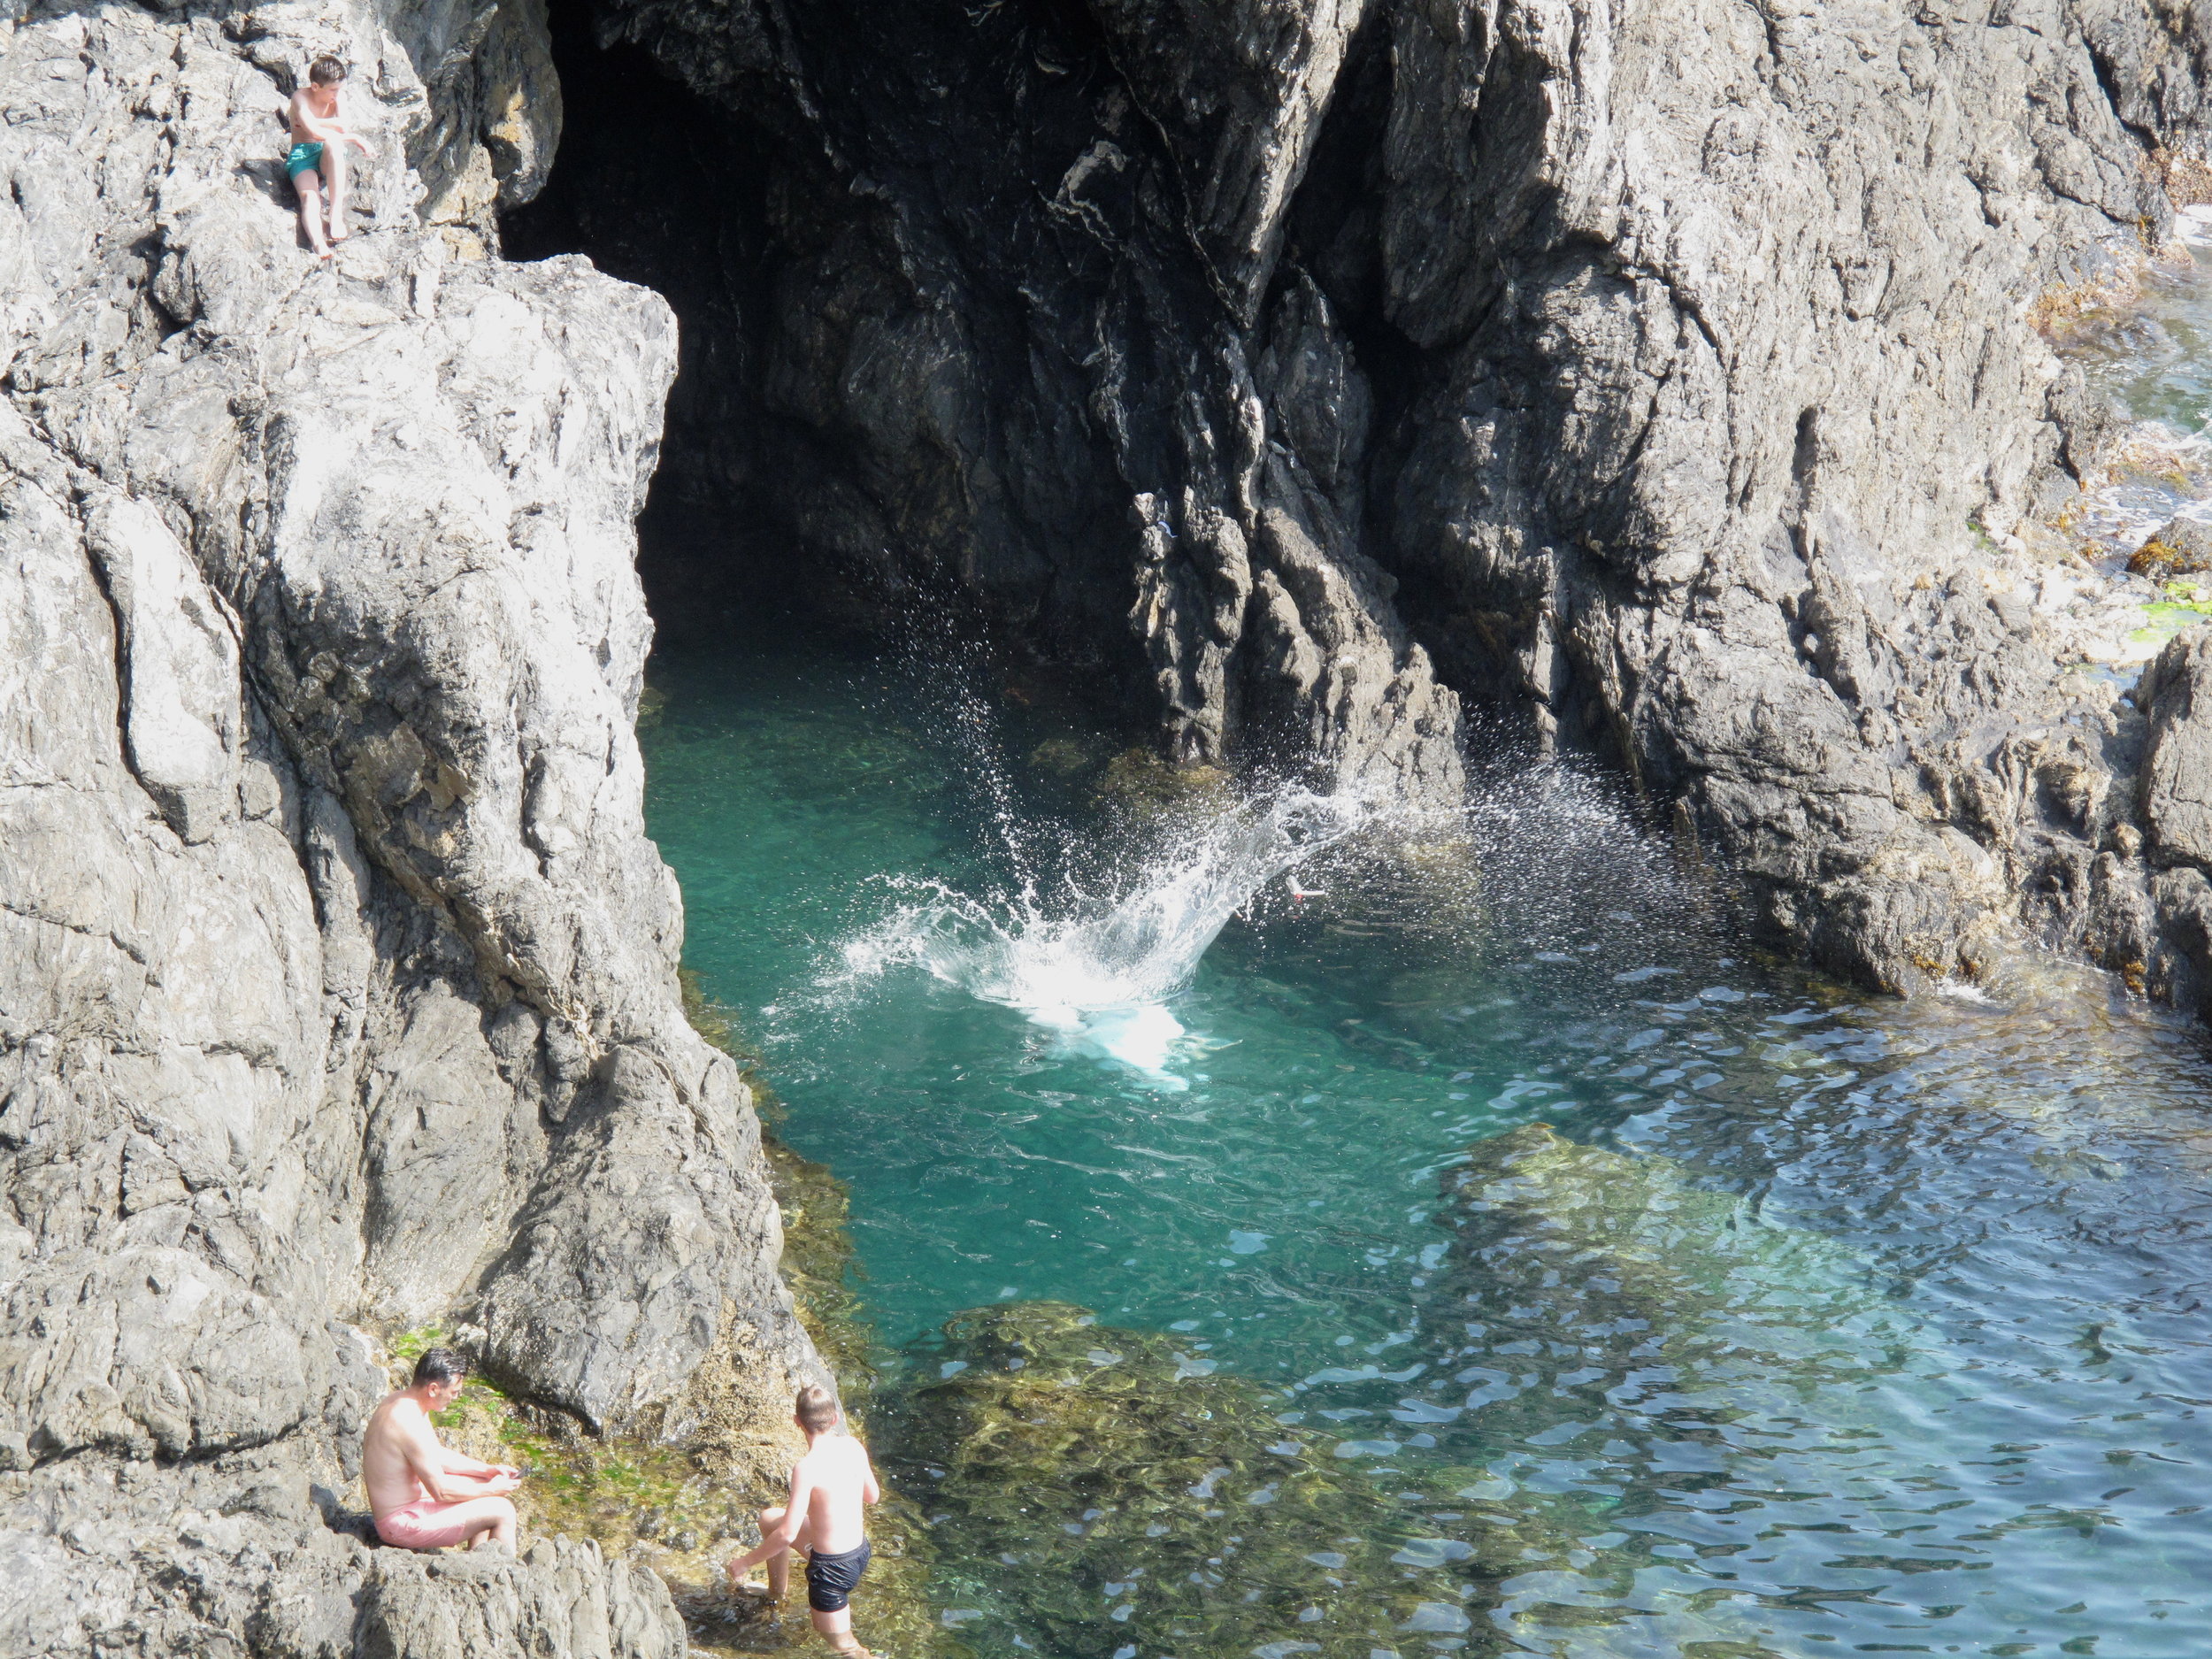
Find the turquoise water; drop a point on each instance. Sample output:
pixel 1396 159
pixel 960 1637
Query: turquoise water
pixel 1985 1438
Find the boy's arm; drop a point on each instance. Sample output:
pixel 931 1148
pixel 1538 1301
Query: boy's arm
pixel 784 1532
pixel 870 1491
pixel 333 132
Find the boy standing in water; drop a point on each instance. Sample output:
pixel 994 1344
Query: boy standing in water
pixel 319 152
pixel 829 1487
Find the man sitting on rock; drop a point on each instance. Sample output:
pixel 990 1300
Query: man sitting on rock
pixel 829 1487
pixel 424 1496
pixel 319 152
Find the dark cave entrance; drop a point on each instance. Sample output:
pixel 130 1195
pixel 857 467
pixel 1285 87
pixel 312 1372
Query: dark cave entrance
pixel 767 497
pixel 658 187
pixel 770 498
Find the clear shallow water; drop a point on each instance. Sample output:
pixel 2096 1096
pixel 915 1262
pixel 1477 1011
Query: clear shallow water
pixel 2001 1451
pixel 2152 359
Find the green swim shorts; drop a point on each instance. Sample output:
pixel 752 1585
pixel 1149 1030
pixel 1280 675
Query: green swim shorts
pixel 303 158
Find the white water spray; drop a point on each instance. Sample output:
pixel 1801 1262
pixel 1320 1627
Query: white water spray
pixel 1100 968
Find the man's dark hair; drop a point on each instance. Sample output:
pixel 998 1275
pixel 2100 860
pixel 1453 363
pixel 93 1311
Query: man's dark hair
pixel 326 71
pixel 816 1407
pixel 440 1365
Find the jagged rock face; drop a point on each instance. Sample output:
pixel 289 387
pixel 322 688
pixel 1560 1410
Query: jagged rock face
pixel 1661 375
pixel 1731 361
pixel 969 337
pixel 337 977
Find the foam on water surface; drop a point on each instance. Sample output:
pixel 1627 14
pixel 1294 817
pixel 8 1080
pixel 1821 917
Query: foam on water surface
pixel 1100 970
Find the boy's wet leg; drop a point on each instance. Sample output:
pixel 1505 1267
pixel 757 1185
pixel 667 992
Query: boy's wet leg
pixel 778 1565
pixel 836 1629
pixel 335 162
pixel 309 186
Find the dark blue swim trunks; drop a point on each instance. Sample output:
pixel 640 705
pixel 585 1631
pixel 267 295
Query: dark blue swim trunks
pixel 831 1580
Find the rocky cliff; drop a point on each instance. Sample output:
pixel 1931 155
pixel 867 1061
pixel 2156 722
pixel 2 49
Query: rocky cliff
pixel 1661 379
pixel 337 978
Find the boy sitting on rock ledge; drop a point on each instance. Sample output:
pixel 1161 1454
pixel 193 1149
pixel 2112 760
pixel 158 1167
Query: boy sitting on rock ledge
pixel 319 152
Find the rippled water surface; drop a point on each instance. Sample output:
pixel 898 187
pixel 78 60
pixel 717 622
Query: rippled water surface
pixel 2152 358
pixel 1971 1421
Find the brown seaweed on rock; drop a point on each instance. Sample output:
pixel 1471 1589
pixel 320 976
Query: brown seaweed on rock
pixel 1145 1505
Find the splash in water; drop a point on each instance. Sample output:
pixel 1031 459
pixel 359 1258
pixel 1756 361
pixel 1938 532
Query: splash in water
pixel 1100 968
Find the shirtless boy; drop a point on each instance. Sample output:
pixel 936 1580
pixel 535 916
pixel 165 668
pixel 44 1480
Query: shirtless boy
pixel 829 1487
pixel 319 152
pixel 424 1496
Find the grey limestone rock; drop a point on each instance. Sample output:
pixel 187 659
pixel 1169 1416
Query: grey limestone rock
pixel 337 976
pixel 2169 937
pixel 2176 778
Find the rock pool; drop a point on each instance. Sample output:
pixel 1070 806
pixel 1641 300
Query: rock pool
pixel 1869 1327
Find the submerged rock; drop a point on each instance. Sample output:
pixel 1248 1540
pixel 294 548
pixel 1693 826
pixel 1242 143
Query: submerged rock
pixel 1147 1499
pixel 1588 1273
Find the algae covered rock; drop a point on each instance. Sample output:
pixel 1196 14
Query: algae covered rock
pixel 1615 1279
pixel 1144 1504
pixel 2181 547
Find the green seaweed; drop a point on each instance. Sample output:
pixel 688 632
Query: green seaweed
pixel 2186 603
pixel 1143 1499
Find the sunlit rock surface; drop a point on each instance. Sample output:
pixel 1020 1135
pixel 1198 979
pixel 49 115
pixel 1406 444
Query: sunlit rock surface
pixel 1664 375
pixel 337 977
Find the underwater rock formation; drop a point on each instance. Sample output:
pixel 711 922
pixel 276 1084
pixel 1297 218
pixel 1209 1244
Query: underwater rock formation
pixel 1150 1500
pixel 1589 1274
pixel 337 978
pixel 1663 377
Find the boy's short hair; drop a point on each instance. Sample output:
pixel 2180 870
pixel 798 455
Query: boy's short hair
pixel 326 71
pixel 816 1409
pixel 440 1365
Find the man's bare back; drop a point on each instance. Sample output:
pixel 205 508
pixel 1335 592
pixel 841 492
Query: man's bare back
pixel 830 1488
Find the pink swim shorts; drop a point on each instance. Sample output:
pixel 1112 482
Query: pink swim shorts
pixel 426 1524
